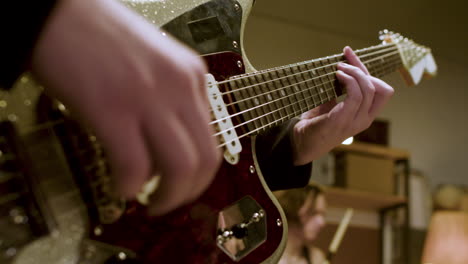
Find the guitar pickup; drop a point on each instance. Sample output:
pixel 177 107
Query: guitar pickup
pixel 222 121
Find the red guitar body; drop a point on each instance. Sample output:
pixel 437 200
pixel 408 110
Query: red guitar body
pixel 188 235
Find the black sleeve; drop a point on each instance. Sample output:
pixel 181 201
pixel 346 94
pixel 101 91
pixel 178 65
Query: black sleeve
pixel 274 154
pixel 20 25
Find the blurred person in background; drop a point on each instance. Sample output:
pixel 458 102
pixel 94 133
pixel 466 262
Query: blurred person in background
pixel 305 211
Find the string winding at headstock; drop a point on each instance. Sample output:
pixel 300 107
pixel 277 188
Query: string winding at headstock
pixel 417 59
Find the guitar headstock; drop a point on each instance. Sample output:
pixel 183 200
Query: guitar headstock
pixel 417 59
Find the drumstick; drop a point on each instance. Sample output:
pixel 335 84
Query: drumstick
pixel 339 235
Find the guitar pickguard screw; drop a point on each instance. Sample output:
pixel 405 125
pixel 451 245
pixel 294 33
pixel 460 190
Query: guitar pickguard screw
pixel 252 169
pixel 98 230
pixel 279 222
pixel 237 7
pixel 235 44
pixel 239 64
pixel 122 256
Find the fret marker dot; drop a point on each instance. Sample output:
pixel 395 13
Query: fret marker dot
pixel 283 93
pixel 269 97
pixel 256 101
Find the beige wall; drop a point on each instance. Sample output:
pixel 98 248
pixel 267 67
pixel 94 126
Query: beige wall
pixel 429 120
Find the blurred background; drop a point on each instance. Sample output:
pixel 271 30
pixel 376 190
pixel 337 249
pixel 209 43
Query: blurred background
pixel 410 163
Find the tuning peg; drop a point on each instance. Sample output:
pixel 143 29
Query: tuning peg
pixel 383 34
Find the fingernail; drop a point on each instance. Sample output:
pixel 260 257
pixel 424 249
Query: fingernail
pixel 342 64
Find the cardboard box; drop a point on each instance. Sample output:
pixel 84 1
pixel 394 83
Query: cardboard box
pixel 365 173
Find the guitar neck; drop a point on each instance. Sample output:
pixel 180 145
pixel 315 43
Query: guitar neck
pixel 270 97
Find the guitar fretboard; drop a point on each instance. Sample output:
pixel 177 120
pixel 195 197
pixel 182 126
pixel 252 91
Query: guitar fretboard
pixel 270 97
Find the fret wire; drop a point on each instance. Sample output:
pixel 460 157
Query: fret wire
pixel 278 81
pixel 258 129
pixel 287 88
pixel 302 86
pixel 230 83
pixel 244 104
pixel 250 132
pixel 308 84
pixel 320 83
pixel 243 124
pixel 340 56
pixel 261 99
pixel 258 101
pixel 366 52
pixel 215 121
pixel 313 76
pixel 379 66
pixel 250 104
pixel 248 121
pixel 324 78
pixel 281 91
pixel 267 94
pixel 328 77
pixel 279 103
pixel 332 78
pixel 275 69
pixel 291 91
pixel 279 94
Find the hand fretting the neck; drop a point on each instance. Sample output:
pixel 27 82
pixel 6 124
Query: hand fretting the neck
pixel 270 97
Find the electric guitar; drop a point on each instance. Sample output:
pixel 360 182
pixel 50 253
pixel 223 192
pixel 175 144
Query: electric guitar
pixel 56 205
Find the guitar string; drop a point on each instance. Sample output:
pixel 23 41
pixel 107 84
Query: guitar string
pixel 317 77
pixel 293 85
pixel 240 77
pixel 48 124
pixel 56 122
pixel 259 73
pixel 284 77
pixel 295 113
pixel 285 97
pixel 304 62
pixel 53 123
pixel 288 76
